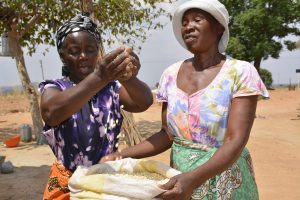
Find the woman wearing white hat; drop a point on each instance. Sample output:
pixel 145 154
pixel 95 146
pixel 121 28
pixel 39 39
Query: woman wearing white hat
pixel 209 104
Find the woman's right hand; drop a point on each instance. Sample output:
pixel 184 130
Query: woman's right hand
pixel 113 65
pixel 179 187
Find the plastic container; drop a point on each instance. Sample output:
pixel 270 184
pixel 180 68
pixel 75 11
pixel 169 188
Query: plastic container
pixel 13 141
pixel 25 133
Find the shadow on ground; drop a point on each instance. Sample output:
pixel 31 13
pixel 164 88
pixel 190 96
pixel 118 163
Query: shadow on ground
pixel 148 128
pixel 26 183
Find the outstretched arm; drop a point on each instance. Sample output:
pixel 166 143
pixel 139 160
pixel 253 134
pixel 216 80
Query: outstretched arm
pixel 157 143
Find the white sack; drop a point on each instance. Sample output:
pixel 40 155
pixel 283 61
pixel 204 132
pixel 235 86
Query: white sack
pixel 100 182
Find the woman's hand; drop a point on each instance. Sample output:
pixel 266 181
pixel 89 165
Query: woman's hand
pixel 180 187
pixel 111 157
pixel 113 65
pixel 132 68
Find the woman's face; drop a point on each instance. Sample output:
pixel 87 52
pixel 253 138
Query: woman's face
pixel 200 31
pixel 79 54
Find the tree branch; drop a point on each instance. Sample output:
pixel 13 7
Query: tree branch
pixel 66 3
pixel 6 14
pixel 30 24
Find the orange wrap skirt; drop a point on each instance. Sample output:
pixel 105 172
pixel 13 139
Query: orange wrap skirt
pixel 57 185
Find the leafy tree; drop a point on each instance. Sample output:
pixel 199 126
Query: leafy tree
pixel 266 77
pixel 33 22
pixel 258 28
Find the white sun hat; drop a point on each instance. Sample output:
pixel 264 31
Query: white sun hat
pixel 213 7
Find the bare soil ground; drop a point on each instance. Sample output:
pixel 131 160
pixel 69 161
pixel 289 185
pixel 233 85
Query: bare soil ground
pixel 274 145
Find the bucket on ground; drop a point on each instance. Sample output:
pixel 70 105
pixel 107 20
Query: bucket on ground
pixel 25 133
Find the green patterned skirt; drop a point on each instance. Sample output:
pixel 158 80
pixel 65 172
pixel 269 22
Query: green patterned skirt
pixel 236 183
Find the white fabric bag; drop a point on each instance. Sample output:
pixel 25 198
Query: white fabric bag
pixel 116 180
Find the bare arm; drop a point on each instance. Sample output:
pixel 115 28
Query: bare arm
pixel 135 95
pixel 57 106
pixel 240 122
pixel 157 143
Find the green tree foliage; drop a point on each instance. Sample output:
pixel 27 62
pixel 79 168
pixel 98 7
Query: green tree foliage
pixel 29 23
pixel 126 20
pixel 258 28
pixel 266 77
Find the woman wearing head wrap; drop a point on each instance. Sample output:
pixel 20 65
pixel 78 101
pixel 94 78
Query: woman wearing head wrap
pixel 82 110
pixel 209 103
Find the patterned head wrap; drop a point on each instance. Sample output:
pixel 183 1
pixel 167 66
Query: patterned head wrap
pixel 80 22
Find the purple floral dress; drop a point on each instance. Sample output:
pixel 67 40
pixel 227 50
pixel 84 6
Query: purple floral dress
pixel 89 134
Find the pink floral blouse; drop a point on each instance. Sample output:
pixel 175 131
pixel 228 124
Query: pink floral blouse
pixel 202 116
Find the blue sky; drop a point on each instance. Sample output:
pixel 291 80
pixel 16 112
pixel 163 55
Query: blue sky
pixel 160 50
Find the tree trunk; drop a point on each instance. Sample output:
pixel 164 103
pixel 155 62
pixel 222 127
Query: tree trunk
pixel 86 6
pixel 29 90
pixel 257 62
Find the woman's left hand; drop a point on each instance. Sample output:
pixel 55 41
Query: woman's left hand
pixel 136 64
pixel 180 187
pixel 133 67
